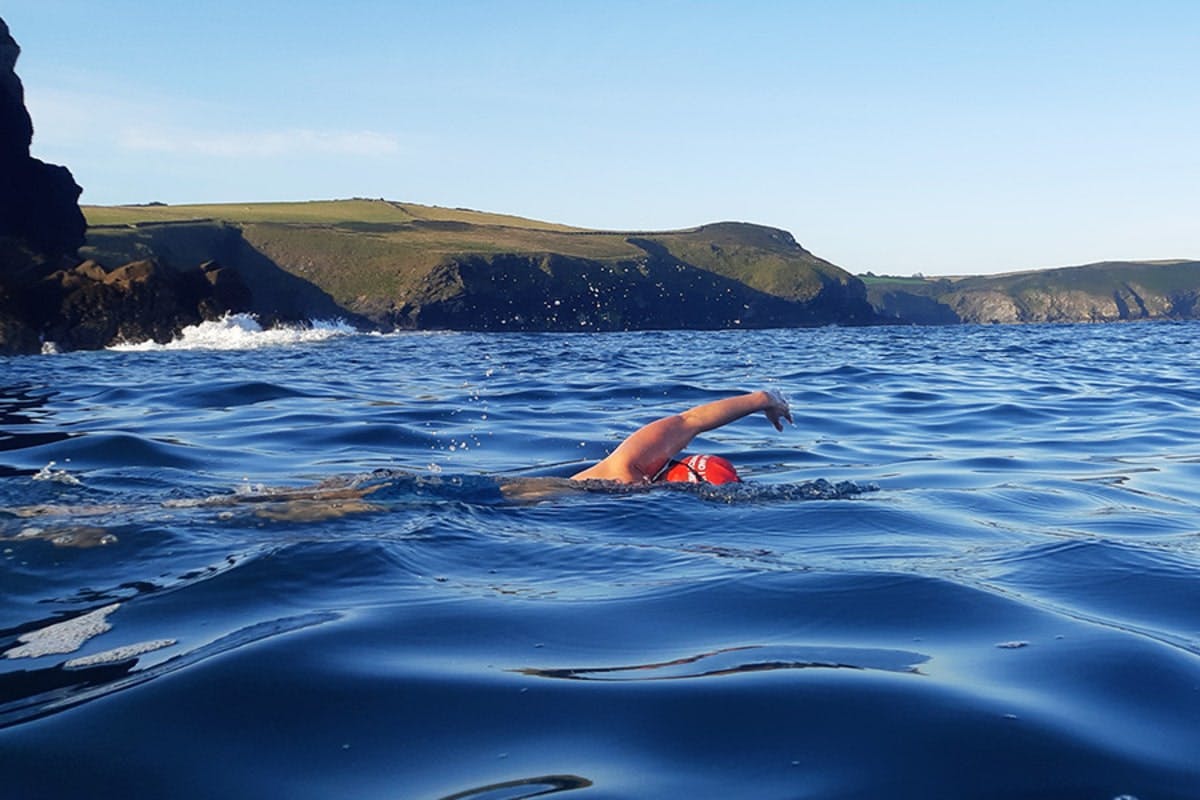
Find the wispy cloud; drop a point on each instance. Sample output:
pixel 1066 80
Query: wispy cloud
pixel 70 118
pixel 260 144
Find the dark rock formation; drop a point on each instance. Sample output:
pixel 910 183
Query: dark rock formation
pixel 39 202
pixel 559 293
pixel 263 287
pixel 17 335
pixel 725 275
pixel 87 307
pixel 904 306
pixel 226 292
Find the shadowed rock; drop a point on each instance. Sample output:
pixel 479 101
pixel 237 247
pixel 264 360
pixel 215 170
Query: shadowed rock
pixel 39 202
pixel 87 307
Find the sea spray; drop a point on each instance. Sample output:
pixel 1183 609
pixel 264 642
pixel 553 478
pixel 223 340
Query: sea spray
pixel 243 332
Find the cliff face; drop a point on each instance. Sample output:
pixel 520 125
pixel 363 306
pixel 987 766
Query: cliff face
pixel 659 291
pixel 87 307
pixel 400 266
pixel 39 202
pixel 1105 292
pixel 317 271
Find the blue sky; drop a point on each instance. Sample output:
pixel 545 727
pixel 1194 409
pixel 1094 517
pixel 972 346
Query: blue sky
pixel 896 137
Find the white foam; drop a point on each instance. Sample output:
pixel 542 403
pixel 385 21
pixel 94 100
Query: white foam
pixel 63 637
pixel 48 473
pixel 243 332
pixel 118 654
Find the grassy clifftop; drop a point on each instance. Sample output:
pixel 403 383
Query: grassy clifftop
pixel 318 212
pixel 387 261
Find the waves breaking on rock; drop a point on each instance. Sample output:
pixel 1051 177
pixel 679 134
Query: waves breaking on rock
pixel 244 332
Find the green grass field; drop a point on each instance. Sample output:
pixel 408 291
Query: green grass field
pixel 317 212
pixel 408 233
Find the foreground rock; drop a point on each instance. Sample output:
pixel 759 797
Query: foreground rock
pixel 39 202
pixel 86 308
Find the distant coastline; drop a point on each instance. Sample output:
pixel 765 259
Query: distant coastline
pixel 404 265
pixel 146 272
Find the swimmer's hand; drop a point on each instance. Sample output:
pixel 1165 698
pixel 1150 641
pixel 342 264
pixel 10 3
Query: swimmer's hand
pixel 777 408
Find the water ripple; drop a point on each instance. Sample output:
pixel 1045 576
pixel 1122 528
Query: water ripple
pixel 969 564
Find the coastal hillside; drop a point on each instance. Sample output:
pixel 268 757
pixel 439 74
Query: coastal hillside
pixel 1105 292
pixel 146 272
pixel 395 265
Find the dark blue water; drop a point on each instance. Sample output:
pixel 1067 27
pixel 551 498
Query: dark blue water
pixel 344 568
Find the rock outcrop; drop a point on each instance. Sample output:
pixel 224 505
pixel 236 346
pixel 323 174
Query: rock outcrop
pixel 87 307
pixel 39 202
pixel 660 291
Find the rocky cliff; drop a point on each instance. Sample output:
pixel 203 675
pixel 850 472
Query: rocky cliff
pixel 1104 292
pixel 39 210
pixel 657 291
pixel 402 266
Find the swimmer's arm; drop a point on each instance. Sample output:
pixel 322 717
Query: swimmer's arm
pixel 648 449
pixel 722 412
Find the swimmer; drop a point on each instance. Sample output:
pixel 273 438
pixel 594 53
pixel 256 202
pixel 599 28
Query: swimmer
pixel 648 455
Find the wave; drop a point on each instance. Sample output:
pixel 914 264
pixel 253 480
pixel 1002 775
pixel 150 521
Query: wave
pixel 243 332
pixel 744 659
pixel 38 692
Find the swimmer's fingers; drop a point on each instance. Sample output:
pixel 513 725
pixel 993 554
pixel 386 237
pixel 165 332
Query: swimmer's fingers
pixel 778 410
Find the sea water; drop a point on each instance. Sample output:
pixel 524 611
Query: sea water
pixel 316 564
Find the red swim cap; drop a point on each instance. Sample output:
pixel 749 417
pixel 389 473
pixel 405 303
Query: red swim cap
pixel 702 469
